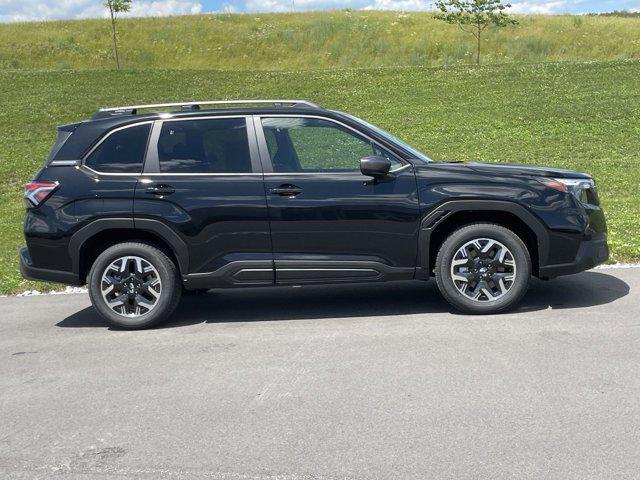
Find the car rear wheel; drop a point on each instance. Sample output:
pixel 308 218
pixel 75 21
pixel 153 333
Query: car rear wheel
pixel 134 285
pixel 483 268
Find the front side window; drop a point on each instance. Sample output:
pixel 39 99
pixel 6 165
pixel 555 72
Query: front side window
pixel 298 144
pixel 417 154
pixel 122 151
pixel 204 146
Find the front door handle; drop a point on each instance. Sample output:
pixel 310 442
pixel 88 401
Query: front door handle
pixel 160 189
pixel 286 191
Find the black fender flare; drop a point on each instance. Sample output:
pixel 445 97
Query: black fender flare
pixel 438 214
pixel 166 233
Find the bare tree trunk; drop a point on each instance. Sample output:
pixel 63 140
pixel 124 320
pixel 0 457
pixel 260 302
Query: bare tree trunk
pixel 115 40
pixel 478 47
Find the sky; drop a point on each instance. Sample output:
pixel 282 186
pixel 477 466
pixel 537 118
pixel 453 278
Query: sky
pixel 28 10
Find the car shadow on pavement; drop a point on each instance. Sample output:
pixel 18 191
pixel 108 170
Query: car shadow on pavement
pixel 586 289
pixel 339 301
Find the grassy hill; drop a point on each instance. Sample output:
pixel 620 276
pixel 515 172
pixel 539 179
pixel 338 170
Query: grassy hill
pixel 584 116
pixel 318 40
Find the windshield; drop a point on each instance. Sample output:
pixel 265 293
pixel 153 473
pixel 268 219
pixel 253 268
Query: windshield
pixel 417 154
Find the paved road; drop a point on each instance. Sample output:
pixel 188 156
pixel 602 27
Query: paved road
pixel 358 382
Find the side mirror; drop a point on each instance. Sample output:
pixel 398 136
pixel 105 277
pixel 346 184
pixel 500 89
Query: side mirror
pixel 375 166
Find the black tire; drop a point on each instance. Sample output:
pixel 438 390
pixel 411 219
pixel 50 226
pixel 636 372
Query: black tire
pixel 169 295
pixel 450 248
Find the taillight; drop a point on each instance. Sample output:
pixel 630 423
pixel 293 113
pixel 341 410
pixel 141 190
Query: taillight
pixel 37 192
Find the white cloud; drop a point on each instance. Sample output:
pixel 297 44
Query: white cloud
pixel 228 8
pixel 399 5
pixel 300 5
pixel 29 10
pixel 554 6
pixel 162 8
pixel 16 11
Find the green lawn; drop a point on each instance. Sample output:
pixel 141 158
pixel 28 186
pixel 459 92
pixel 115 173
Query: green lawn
pixel 584 116
pixel 311 40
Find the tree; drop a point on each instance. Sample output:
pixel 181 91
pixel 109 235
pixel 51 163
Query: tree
pixel 474 16
pixel 115 7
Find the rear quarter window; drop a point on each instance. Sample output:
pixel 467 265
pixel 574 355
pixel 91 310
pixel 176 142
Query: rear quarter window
pixel 122 151
pixel 63 136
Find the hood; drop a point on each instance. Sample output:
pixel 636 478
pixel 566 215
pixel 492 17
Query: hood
pixel 523 169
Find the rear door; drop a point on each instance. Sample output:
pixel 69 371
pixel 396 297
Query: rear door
pixel 203 179
pixel 113 166
pixel 329 223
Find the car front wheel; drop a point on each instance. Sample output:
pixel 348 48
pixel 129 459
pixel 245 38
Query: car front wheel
pixel 134 285
pixel 483 268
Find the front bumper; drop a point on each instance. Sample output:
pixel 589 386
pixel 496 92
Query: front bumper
pixel 30 272
pixel 590 253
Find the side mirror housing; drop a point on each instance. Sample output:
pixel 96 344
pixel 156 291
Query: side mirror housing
pixel 375 166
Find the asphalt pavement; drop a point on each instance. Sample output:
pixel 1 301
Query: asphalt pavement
pixel 344 382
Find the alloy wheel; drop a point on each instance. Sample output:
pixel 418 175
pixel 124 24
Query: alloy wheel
pixel 483 270
pixel 131 286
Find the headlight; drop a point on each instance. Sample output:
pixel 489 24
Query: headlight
pixel 584 189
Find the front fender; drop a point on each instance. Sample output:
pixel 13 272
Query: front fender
pixel 443 211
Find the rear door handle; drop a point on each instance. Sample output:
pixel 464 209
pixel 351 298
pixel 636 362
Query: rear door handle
pixel 286 190
pixel 160 189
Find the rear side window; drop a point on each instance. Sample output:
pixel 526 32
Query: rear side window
pixel 204 146
pixel 122 151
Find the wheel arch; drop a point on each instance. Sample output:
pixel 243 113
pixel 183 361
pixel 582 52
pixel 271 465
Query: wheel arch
pixel 450 216
pixel 86 244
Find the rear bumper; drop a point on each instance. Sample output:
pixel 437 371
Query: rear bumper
pixel 30 272
pixel 590 253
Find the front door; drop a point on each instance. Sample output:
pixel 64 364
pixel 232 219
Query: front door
pixel 329 223
pixel 202 178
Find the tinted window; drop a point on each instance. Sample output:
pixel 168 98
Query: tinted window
pixel 122 151
pixel 315 145
pixel 63 136
pixel 204 146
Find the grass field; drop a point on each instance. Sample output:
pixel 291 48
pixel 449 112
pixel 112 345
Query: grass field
pixel 584 116
pixel 314 40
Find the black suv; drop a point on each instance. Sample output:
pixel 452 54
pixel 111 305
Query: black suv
pixel 141 206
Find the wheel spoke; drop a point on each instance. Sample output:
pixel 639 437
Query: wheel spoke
pixel 460 261
pixel 490 243
pixel 138 266
pixel 488 293
pixel 148 287
pixel 117 301
pixel 501 286
pixel 143 302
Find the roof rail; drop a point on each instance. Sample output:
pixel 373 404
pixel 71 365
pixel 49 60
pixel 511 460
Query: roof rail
pixel 132 109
